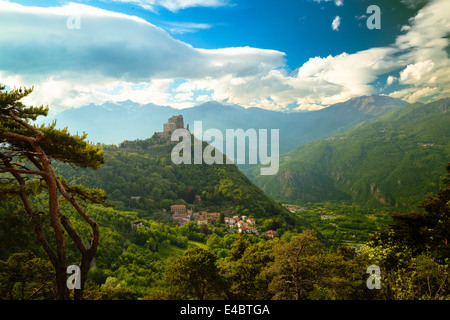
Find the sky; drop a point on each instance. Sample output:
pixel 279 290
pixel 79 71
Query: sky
pixel 282 55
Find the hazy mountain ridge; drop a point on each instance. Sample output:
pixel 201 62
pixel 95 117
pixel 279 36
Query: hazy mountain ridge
pixel 112 123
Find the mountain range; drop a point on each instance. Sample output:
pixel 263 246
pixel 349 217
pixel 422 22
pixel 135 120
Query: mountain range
pixel 112 123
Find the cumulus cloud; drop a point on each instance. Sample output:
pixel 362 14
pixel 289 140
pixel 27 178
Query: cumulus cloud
pixel 414 94
pixel 390 80
pixel 346 75
pixel 336 23
pixel 415 72
pixel 423 47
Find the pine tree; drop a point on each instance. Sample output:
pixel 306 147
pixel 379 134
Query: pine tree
pixel 26 155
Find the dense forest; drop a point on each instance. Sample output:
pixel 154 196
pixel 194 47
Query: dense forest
pixel 145 180
pixel 161 261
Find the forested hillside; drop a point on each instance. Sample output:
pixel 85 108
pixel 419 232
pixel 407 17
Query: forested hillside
pixel 158 261
pixel 394 160
pixel 132 171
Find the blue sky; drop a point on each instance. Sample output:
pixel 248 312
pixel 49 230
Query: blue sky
pixel 272 54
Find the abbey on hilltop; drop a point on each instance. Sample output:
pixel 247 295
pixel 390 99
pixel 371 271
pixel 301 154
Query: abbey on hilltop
pixel 175 122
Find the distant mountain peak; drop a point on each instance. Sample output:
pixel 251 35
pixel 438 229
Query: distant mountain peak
pixel 375 98
pixel 372 104
pixel 215 105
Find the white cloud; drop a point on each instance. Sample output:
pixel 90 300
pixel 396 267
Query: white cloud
pixel 184 96
pixel 390 80
pixel 115 57
pixel 203 98
pixel 415 94
pixel 186 27
pixel 423 47
pixel 309 107
pixel 343 76
pixel 174 5
pixel 336 23
pixel 405 28
pixel 415 72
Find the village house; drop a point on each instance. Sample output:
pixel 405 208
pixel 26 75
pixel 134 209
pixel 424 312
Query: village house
pixel 246 229
pixel 244 226
pixel 232 226
pixel 182 215
pixel 136 224
pixel 230 221
pixel 270 233
pixel 211 215
pixel 206 217
pixel 178 208
pixel 180 219
pixel 241 224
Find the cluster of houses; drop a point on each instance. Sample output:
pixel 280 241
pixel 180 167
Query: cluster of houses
pixel 243 225
pixel 182 215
